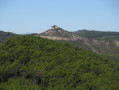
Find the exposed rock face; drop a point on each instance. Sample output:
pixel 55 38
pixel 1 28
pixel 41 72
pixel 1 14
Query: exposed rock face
pixel 117 43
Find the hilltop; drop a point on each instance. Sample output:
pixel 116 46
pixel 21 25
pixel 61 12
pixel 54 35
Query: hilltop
pixel 57 33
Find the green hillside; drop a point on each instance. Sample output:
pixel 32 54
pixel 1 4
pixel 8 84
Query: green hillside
pixel 96 34
pixel 5 35
pixel 34 63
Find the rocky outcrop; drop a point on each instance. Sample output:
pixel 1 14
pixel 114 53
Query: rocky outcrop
pixel 54 27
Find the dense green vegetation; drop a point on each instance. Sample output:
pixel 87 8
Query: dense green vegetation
pixel 96 34
pixel 34 63
pixel 5 35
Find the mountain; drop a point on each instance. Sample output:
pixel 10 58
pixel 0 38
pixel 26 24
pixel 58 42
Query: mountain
pixel 35 63
pixel 100 42
pixel 96 34
pixel 5 35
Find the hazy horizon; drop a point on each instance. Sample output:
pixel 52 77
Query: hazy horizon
pixel 36 16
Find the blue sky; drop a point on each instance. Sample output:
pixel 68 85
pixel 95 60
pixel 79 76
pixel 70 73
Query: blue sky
pixel 36 16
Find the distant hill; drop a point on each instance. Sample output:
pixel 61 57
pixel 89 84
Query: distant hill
pixel 5 35
pixel 35 63
pixel 57 33
pixel 96 41
pixel 96 34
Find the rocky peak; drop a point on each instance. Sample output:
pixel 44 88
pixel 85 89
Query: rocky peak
pixel 54 27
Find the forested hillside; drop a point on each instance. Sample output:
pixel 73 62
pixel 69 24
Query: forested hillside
pixel 5 35
pixel 34 63
pixel 96 34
